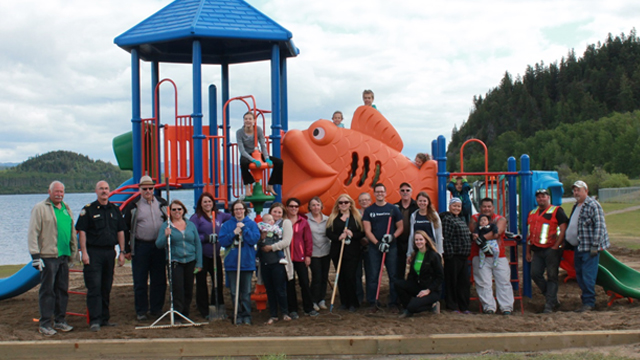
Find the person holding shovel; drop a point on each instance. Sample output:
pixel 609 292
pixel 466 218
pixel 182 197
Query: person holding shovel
pixel 239 235
pixel 206 214
pixel 344 209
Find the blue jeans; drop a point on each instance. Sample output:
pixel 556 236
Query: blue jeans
pixel 586 273
pixel 390 262
pixel 244 299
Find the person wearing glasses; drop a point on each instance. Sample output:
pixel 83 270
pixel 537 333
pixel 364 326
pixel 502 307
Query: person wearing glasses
pixel 407 207
pixel 301 251
pixel 186 255
pixel 344 209
pixel 144 217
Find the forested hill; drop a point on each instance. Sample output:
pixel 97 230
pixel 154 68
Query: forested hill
pixel 604 81
pixel 78 172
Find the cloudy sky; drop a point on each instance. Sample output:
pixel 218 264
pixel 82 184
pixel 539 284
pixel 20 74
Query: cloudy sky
pixel 65 85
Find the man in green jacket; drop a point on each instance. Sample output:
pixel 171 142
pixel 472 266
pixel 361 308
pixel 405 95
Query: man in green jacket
pixel 53 245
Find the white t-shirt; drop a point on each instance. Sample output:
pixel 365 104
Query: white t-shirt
pixel 571 235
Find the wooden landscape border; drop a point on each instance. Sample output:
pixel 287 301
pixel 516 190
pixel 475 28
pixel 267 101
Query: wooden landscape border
pixel 313 345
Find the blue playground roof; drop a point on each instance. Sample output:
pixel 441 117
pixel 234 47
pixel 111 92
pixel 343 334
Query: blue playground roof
pixel 230 31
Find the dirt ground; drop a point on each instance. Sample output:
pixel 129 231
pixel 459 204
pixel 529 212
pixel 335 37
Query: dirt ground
pixel 18 318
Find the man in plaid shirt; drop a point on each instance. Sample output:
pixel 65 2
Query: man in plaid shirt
pixel 587 233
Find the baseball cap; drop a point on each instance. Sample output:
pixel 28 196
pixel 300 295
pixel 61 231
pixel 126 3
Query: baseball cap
pixel 580 184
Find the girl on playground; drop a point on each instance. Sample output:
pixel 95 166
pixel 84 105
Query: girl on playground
pixel 246 145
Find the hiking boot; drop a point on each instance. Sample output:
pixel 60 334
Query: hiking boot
pixel 548 309
pixel 394 309
pixel 294 315
pixel 94 327
pixel 373 309
pixel 62 326
pixel 312 313
pixel 142 317
pixel 585 308
pixel 47 331
pixel 436 307
pixel 405 314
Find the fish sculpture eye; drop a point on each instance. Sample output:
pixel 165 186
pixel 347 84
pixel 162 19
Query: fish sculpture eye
pixel 318 133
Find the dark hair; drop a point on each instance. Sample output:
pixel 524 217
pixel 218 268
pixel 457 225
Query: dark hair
pixel 249 112
pixel 484 216
pixel 184 208
pixel 246 209
pixel 316 198
pixel 292 199
pixel 378 185
pixel 432 215
pixel 199 211
pixel 422 156
pixel 486 200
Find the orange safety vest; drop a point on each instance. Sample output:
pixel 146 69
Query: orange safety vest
pixel 543 233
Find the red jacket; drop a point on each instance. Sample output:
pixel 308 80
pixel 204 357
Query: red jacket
pixel 302 242
pixel 475 250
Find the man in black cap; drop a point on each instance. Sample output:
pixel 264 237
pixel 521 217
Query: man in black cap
pixel 100 227
pixel 144 217
pixel 547 225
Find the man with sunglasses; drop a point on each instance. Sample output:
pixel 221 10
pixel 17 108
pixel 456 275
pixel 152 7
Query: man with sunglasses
pixel 546 226
pixel 144 216
pixel 407 207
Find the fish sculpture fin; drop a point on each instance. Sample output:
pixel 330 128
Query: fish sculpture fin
pixel 369 121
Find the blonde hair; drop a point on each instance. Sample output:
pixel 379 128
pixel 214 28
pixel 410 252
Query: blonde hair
pixel 335 212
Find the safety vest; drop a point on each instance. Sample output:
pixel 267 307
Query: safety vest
pixel 543 233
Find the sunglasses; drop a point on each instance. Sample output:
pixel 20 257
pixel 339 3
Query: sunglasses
pixel 176 209
pixel 293 206
pixel 146 189
pixel 343 202
pixel 405 190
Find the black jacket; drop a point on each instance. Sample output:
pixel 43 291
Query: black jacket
pixel 431 272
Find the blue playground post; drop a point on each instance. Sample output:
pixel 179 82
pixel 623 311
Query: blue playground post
pixel 525 207
pixel 443 175
pixel 213 130
pixel 275 107
pixel 198 137
pixel 136 120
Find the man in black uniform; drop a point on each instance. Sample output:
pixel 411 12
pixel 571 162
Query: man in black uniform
pixel 100 227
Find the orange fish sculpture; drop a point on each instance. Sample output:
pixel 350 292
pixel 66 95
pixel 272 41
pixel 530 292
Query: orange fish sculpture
pixel 328 161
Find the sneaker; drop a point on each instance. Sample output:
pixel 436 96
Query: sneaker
pixel 436 308
pixel 466 312
pixel 283 261
pixel 142 317
pixel 312 313
pixel 322 305
pixel 394 309
pixel 47 331
pixel 246 321
pixel 585 308
pixel 548 309
pixel 405 314
pixel 316 307
pixel 294 315
pixel 506 313
pixel 352 309
pixel 62 326
pixel 94 327
pixel 490 312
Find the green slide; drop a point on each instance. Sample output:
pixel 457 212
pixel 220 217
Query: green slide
pixel 618 277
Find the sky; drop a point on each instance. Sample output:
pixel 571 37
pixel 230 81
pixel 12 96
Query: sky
pixel 64 84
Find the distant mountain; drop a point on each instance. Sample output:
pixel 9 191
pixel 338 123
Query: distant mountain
pixel 7 165
pixel 78 172
pixel 520 114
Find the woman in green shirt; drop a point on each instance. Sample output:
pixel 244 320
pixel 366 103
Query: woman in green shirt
pixel 421 291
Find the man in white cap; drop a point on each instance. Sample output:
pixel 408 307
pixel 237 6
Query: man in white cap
pixel 587 233
pixel 144 217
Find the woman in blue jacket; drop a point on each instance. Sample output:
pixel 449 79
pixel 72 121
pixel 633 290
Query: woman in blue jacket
pixel 186 255
pixel 240 231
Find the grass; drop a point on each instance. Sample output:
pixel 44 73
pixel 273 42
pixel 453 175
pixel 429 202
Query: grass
pixel 8 270
pixel 543 356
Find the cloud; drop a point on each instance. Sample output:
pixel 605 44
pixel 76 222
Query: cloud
pixel 65 85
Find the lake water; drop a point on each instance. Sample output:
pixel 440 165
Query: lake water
pixel 15 211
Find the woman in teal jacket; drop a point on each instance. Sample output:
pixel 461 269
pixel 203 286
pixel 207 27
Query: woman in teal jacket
pixel 230 239
pixel 186 255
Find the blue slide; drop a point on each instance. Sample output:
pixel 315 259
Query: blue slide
pixel 24 280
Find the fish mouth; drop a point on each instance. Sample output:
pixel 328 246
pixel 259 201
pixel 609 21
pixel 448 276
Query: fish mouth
pixel 318 176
